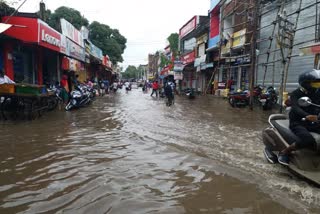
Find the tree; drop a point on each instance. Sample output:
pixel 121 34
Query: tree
pixel 71 15
pixel 174 43
pixel 131 72
pixel 109 40
pixel 5 9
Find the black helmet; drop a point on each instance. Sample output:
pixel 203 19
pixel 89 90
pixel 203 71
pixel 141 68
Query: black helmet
pixel 306 78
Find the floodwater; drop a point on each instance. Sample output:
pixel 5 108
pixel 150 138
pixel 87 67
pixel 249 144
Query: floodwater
pixel 129 153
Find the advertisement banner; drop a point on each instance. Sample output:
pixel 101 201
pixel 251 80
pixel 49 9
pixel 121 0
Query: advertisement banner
pixel 95 51
pixel 85 32
pixel 49 38
pixel 188 58
pixel 239 38
pixel 187 28
pixel 71 32
pixel 63 45
pixel 75 51
pixel 178 66
pixel 178 76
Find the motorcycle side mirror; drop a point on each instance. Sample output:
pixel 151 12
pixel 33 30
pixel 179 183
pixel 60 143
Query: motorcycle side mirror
pixel 304 102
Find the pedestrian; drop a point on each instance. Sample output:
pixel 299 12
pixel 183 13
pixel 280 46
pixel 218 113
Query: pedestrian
pixel 101 87
pixel 64 88
pixel 168 91
pixel 106 86
pixel 155 88
pixel 230 83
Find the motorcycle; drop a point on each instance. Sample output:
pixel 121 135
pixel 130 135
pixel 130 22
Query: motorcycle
pixel 240 98
pixel 268 98
pixel 55 98
pixel 305 162
pixel 79 97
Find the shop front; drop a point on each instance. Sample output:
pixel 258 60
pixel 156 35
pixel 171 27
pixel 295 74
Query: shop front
pixel 189 71
pixel 31 51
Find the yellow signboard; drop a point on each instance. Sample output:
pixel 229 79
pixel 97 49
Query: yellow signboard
pixel 239 38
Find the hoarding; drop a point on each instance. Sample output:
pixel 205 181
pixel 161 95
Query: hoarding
pixel 189 27
pixel 48 37
pixel 71 32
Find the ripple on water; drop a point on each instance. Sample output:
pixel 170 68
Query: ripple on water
pixel 135 155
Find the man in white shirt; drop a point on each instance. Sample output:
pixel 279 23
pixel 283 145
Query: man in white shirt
pixel 4 78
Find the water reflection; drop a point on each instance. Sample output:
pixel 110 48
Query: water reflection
pixel 129 153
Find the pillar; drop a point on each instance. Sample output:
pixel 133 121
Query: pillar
pixel 40 66
pixel 8 60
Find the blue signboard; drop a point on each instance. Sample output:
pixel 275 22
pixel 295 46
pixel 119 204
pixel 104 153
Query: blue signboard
pixel 95 51
pixel 213 4
pixel 213 42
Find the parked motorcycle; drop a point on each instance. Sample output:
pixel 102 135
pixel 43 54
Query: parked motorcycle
pixel 304 162
pixel 237 99
pixel 54 97
pixel 79 97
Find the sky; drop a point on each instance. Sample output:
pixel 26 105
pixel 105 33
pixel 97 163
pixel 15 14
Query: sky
pixel 145 23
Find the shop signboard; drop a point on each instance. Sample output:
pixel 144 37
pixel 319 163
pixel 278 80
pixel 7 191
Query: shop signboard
pixel 71 32
pixel 239 38
pixel 178 66
pixel 189 27
pixel 188 58
pixel 49 37
pixel 178 76
pixel 75 51
pixel 24 29
pixel 95 51
pixel 63 45
pixel 85 32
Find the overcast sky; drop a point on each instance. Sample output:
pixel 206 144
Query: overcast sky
pixel 145 23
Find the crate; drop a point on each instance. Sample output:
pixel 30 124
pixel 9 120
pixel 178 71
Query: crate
pixel 7 88
pixel 30 89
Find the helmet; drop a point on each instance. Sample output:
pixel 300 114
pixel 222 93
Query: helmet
pixel 310 80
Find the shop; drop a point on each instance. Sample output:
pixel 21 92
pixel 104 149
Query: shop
pixel 31 51
pixel 189 71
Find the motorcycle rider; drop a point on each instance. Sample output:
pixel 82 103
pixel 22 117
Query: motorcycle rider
pixel 302 119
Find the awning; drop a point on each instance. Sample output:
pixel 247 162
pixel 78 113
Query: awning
pixel 310 49
pixel 4 27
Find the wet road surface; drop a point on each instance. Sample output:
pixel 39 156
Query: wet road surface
pixel 129 153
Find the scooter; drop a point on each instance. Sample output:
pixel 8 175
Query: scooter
pixel 305 162
pixel 79 97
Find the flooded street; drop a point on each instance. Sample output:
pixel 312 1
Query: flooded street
pixel 129 153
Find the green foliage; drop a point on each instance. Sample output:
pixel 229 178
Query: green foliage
pixel 131 72
pixel 174 43
pixel 5 9
pixel 109 40
pixel 164 61
pixel 71 15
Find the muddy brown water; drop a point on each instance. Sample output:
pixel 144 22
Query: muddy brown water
pixel 129 153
